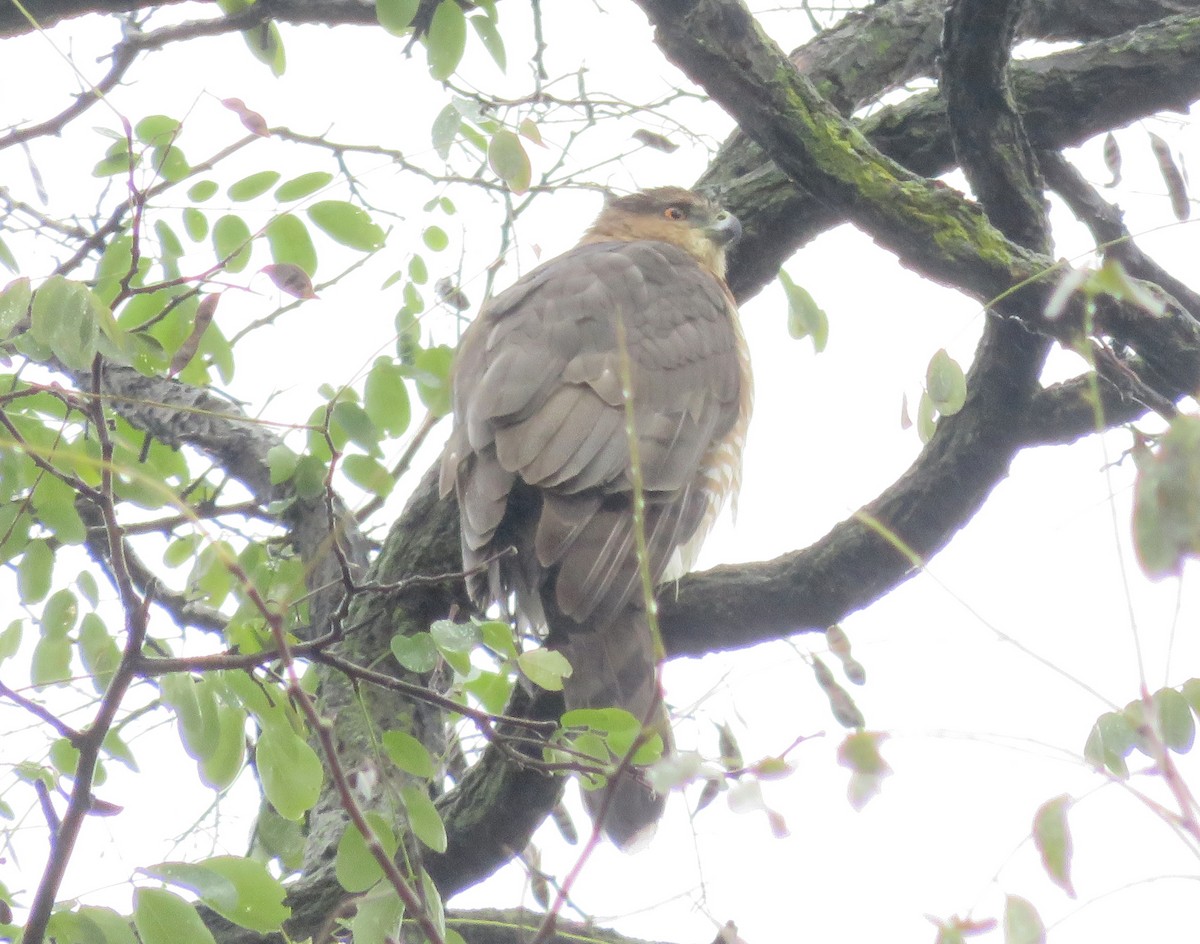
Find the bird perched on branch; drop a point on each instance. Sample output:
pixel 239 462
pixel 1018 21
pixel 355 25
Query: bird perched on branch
pixel 540 458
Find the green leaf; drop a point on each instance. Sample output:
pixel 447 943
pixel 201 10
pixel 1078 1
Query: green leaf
pixel 1052 837
pixel 118 750
pixel 10 639
pixel 378 918
pixel 231 241
pixel 423 817
pixel 114 265
pixel 35 773
pixel 385 397
pixel 396 16
pixel 409 754
pixel 156 130
pixel 214 889
pixel 926 419
pixel 253 186
pixel 492 689
pixel 1175 724
pixel 1022 923
pixel 267 45
pixel 498 636
pixel 416 652
pixel 531 132
pixel 64 318
pixel 805 317
pixel 168 242
pixel 117 160
pixel 7 259
pixel 347 224
pixel 98 651
pixel 1110 741
pixel 449 636
pixel 51 663
pixel 309 477
pixel 302 186
pixel 35 572
pixel 545 668
pixel 509 161
pixel 860 752
pixel 355 867
pixel 266 701
pixel 945 383
pixel 435 238
pixel 239 889
pixel 1112 279
pixel 601 720
pixel 221 768
pixel 1191 693
pixel 368 474
pixel 162 917
pixel 54 501
pixel 349 421
pixel 195 707
pixel 195 224
pixel 290 771
pixel 202 190
pixel 1166 499
pixel 412 299
pixel 111 927
pixel 445 130
pixel 446 40
pixel 14 306
pixel 492 42
pixel 60 613
pixel 183 549
pixel 279 838
pixel 169 163
pixel 290 242
pixel 281 461
pixel 433 378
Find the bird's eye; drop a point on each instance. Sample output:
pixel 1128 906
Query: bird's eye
pixel 674 213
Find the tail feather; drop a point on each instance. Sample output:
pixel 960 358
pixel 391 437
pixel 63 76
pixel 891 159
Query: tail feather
pixel 616 667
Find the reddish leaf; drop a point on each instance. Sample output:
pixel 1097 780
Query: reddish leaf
pixel 252 120
pixel 290 278
pixel 1052 836
pixel 204 316
pixel 652 139
pixel 1112 159
pixel 1176 187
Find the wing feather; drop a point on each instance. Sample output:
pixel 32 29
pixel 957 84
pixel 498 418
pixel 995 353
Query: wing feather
pixel 538 387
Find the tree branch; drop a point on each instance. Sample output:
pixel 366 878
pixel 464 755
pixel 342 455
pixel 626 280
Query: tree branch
pixel 1064 99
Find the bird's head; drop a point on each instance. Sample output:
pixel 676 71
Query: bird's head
pixel 685 218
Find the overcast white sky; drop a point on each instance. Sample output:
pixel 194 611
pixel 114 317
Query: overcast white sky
pixel 981 733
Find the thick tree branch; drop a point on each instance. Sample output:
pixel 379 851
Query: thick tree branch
pixel 1064 98
pixel 989 138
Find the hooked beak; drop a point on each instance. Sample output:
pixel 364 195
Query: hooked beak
pixel 725 229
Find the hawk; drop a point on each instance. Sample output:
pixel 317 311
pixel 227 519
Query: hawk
pixel 539 457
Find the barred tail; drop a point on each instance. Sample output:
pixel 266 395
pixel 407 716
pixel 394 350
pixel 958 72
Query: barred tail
pixel 616 667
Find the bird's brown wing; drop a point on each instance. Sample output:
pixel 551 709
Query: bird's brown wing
pixel 539 457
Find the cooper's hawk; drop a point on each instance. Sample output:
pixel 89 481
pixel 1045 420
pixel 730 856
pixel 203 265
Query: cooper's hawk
pixel 539 457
